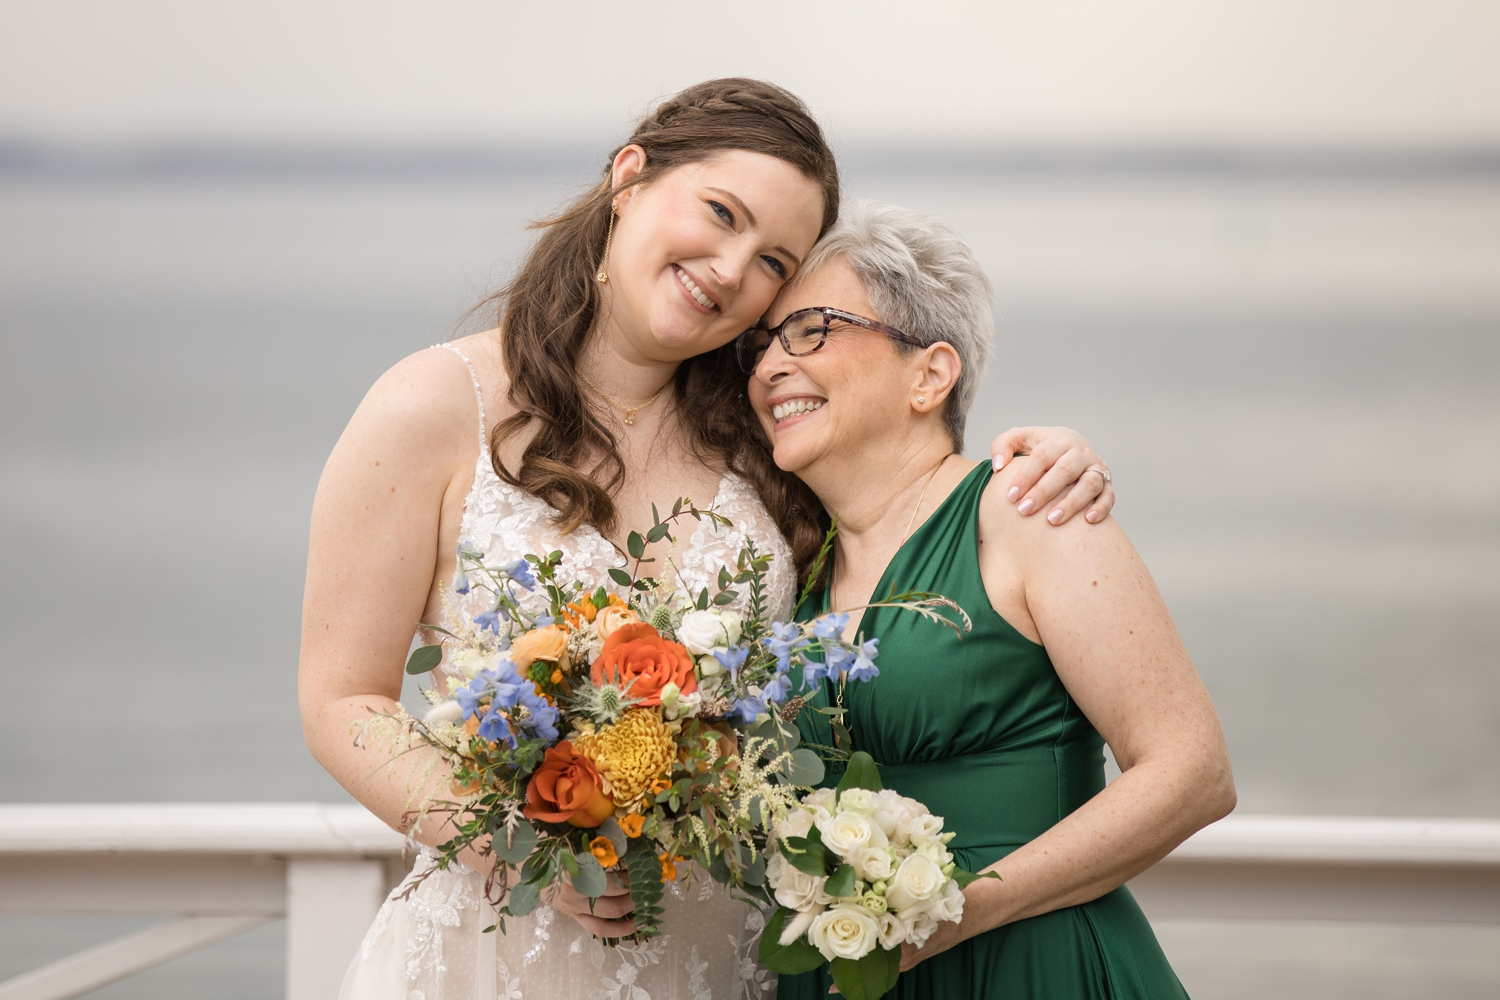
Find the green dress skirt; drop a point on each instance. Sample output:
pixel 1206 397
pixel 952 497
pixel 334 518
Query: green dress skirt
pixel 983 732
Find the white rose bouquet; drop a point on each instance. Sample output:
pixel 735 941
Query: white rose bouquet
pixel 859 871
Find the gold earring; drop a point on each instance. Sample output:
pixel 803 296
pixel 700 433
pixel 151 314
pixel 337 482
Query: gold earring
pixel 603 275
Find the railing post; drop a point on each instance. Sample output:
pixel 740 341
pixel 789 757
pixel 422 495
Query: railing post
pixel 330 904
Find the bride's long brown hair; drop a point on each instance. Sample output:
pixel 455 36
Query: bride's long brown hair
pixel 549 309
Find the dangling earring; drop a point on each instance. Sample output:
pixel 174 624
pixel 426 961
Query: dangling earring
pixel 603 275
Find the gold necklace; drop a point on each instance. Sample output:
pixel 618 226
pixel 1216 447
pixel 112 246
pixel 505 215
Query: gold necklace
pixel 833 570
pixel 630 411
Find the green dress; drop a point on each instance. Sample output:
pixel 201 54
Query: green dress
pixel 983 732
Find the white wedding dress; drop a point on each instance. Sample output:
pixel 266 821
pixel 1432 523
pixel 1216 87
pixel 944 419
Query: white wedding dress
pixel 431 945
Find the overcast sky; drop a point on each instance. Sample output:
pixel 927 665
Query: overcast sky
pixel 1173 72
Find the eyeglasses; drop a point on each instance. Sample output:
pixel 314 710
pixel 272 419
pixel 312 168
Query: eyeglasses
pixel 804 332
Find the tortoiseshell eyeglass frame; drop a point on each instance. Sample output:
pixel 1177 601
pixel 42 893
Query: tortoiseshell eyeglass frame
pixel 749 354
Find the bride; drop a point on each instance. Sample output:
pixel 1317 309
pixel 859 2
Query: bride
pixel 610 383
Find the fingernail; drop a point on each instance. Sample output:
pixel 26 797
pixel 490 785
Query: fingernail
pixel 1026 506
pixel 1091 517
pixel 1056 516
pixel 1012 493
pixel 999 462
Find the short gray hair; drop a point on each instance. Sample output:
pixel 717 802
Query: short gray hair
pixel 924 280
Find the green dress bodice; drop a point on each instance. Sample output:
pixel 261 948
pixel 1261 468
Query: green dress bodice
pixel 982 730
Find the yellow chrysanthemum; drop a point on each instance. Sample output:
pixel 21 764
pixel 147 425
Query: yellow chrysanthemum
pixel 632 753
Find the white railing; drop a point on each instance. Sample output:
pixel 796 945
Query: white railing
pixel 223 869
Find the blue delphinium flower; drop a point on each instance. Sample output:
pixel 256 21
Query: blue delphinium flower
pixel 495 727
pixel 460 580
pixel 514 709
pixel 520 571
pixel 785 640
pixel 543 620
pixel 864 662
pixel 732 659
pixel 491 619
pixel 747 708
pixel 465 550
pixel 831 626
pixel 835 659
pixel 777 689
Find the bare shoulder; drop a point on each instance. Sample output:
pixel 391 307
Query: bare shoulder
pixel 1031 540
pixel 421 415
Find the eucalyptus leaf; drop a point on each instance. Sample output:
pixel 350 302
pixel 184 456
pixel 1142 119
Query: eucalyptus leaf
pixel 635 544
pixel 841 882
pixel 523 841
pixel 590 879
pixel 868 978
pixel 524 898
pixel 861 773
pixel 963 878
pixel 423 659
pixel 755 874
pixel 805 767
pixel 792 959
pixel 806 854
pixel 619 576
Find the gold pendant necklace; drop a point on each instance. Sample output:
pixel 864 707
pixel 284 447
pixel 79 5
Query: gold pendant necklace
pixel 630 411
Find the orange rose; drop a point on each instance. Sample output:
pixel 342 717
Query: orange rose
pixel 633 824
pixel 567 789
pixel 611 618
pixel 546 643
pixel 642 663
pixel 604 849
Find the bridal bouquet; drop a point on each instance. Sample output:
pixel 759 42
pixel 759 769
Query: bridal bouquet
pixel 860 871
pixel 622 725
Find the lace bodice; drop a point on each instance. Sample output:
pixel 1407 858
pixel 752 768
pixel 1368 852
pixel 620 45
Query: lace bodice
pixel 505 523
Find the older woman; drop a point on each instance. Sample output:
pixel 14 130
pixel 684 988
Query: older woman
pixel 862 386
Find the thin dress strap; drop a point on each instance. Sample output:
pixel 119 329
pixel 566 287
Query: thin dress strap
pixel 478 393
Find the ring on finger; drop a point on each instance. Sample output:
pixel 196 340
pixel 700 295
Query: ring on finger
pixel 1103 473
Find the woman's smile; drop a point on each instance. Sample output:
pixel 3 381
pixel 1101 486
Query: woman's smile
pixel 693 291
pixel 792 410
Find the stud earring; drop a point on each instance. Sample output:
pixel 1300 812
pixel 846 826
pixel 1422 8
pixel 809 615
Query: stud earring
pixel 603 275
pixel 921 399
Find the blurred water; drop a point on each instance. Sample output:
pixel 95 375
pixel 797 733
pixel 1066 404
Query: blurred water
pixel 1294 379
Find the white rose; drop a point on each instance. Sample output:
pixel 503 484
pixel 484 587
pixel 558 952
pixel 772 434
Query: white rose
pixel 857 800
pixel 889 810
pixel 844 833
pixel 920 929
pixel 844 931
pixel 893 929
pixel 733 625
pixel 926 828
pixel 709 666
pixel 470 661
pixel 798 823
pixel 797 890
pixel 917 881
pixel 949 905
pixel 873 864
pixel 820 802
pixel 934 851
pixel 701 631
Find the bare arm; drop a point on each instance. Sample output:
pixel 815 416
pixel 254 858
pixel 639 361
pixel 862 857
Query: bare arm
pixel 372 554
pixel 1085 594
